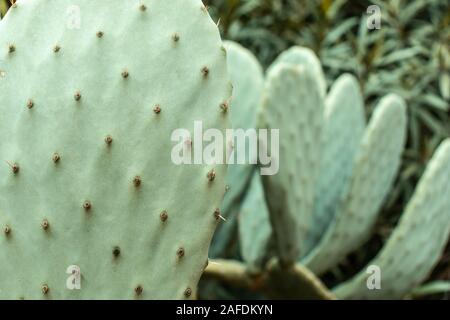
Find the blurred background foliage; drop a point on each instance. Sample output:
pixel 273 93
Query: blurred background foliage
pixel 409 55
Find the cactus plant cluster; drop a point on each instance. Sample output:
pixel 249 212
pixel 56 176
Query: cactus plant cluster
pixel 90 94
pixel 86 179
pixel 335 173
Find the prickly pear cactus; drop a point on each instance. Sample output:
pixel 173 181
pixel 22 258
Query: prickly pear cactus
pixel 344 124
pixel 247 77
pixel 88 106
pixel 418 241
pixel 292 102
pixel 374 171
pixel 255 231
pixel 305 57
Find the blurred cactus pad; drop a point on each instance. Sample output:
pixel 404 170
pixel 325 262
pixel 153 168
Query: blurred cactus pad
pixel 93 207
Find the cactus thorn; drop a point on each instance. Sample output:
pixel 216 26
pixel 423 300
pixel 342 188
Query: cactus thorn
pixel 163 216
pixel 87 205
pixel 116 251
pixel 138 290
pixel 14 167
pixel 180 252
pixel 7 230
pixel 218 216
pixel 157 109
pixel 137 181
pixel 45 289
pixel 187 292
pixel 108 140
pixel 211 175
pixel 224 106
pixel 30 104
pixel 77 95
pixel 56 157
pixel 45 224
pixel 205 72
pixel 125 73
pixel 99 34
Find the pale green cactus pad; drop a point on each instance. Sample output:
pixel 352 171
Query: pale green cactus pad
pixel 344 124
pixel 248 82
pixel 418 241
pixel 87 178
pixel 255 231
pixel 292 103
pixel 302 56
pixel 374 171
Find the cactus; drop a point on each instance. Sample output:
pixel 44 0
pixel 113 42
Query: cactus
pixel 87 116
pixel 255 231
pixel 343 130
pixel 340 220
pixel 292 102
pixel 247 77
pixel 374 171
pixel 425 225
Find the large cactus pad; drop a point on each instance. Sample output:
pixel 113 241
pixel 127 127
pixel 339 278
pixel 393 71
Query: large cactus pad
pixel 91 92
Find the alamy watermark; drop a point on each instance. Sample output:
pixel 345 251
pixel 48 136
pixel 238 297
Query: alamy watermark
pixel 374 17
pixel 238 146
pixel 73 282
pixel 374 279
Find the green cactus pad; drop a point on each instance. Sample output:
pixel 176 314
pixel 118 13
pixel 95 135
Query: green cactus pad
pixel 255 231
pixel 302 56
pixel 343 131
pixel 293 104
pixel 374 171
pixel 248 82
pixel 87 179
pixel 418 241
